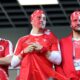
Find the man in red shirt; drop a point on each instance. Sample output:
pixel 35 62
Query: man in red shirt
pixel 37 51
pixel 70 49
pixel 6 51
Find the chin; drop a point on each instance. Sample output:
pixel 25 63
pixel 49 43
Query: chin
pixel 43 27
pixel 77 30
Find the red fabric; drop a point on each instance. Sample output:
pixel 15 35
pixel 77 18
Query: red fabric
pixel 35 65
pixel 67 67
pixel 43 50
pixel 17 78
pixel 3 75
pixel 38 69
pixel 6 48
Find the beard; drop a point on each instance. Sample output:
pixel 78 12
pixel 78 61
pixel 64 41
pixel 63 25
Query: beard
pixel 77 28
pixel 77 31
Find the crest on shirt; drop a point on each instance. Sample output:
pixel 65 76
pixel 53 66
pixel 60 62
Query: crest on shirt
pixel 1 48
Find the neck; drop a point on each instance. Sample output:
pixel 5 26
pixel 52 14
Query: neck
pixel 36 31
pixel 76 34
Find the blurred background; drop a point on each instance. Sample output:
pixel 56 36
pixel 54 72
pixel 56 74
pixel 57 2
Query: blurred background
pixel 14 20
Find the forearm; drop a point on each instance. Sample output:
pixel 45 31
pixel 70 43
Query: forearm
pixel 5 60
pixel 16 60
pixel 54 57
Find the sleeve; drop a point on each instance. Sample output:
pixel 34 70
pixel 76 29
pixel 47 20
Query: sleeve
pixel 55 53
pixel 18 50
pixel 9 48
pixel 15 60
pixel 18 47
pixel 59 68
pixel 54 42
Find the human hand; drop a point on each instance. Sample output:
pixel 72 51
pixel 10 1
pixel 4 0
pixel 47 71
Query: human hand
pixel 37 46
pixel 30 48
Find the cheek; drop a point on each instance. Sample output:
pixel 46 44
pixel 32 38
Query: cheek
pixel 36 23
pixel 74 24
pixel 36 20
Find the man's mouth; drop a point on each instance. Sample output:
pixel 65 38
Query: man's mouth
pixel 78 25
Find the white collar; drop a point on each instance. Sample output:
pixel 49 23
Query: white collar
pixel 77 39
pixel 36 34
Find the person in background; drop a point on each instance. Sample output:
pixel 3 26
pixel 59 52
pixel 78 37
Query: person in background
pixel 6 53
pixel 38 51
pixel 70 49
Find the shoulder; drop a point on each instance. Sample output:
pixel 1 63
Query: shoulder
pixel 51 35
pixel 23 38
pixel 66 38
pixel 5 40
pixel 49 32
